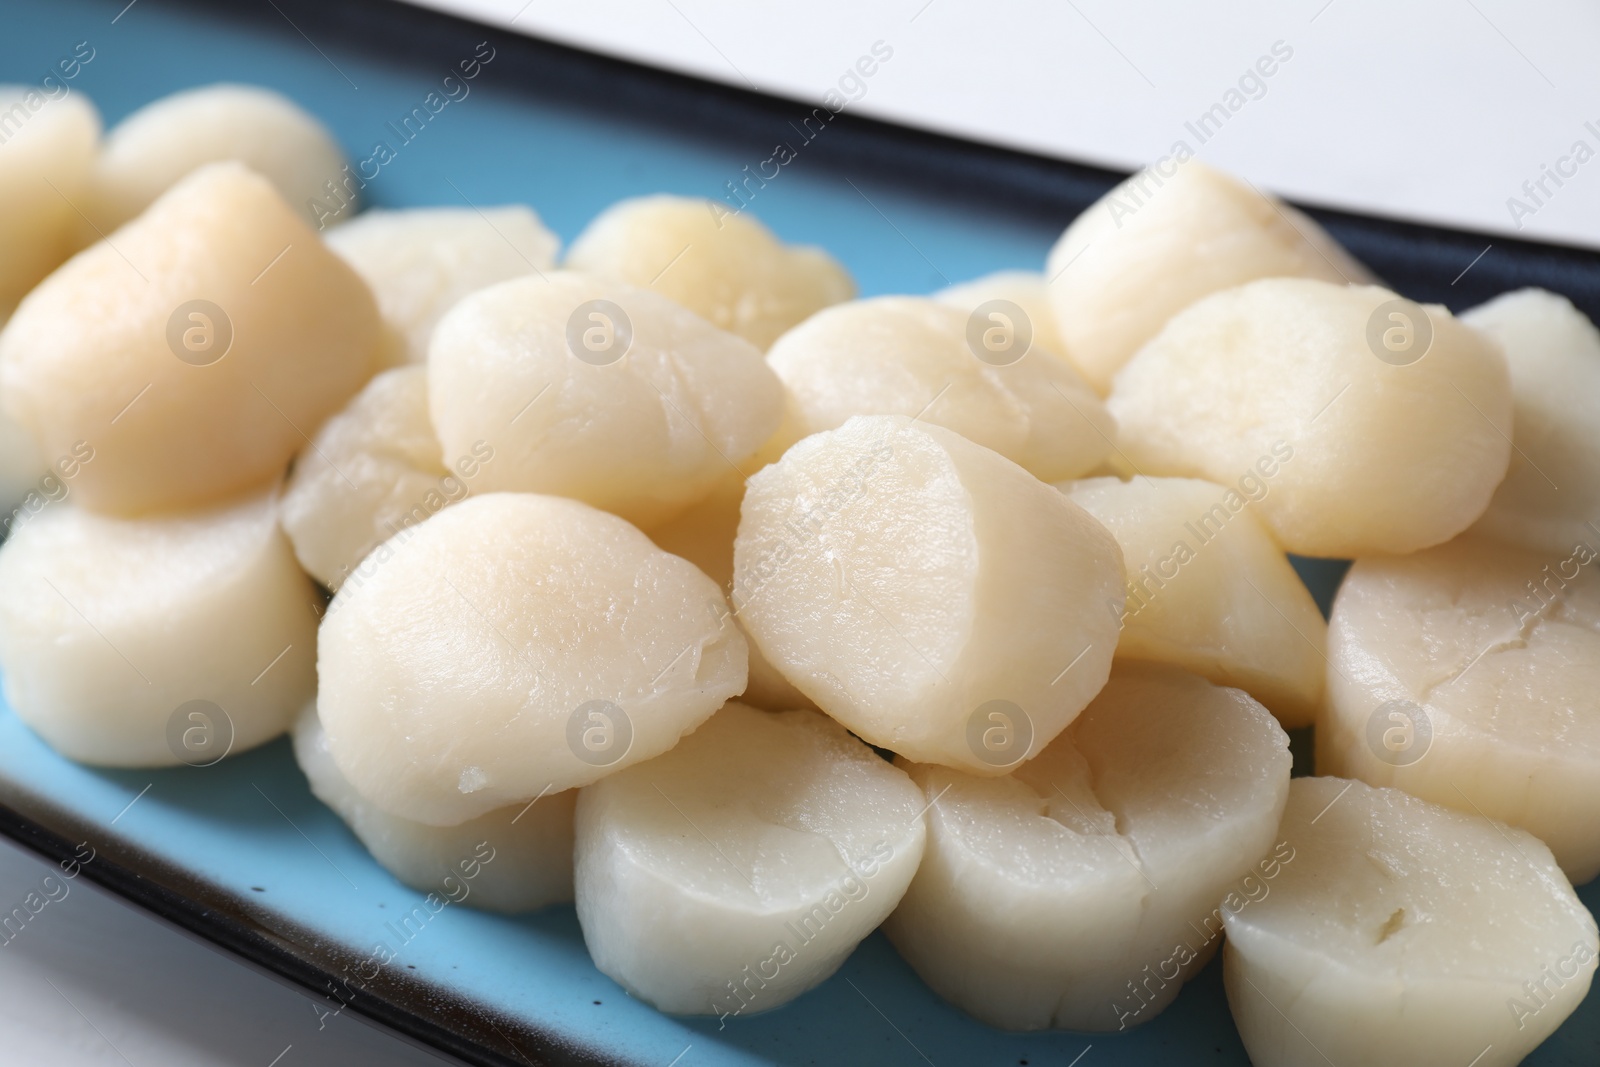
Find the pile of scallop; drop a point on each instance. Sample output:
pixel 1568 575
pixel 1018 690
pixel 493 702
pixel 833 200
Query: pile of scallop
pixel 751 616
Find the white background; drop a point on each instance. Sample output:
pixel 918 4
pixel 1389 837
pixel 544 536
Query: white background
pixel 1432 109
pixel 1429 109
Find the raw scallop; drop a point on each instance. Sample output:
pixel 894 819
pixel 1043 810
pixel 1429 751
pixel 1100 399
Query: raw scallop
pixel 725 267
pixel 517 858
pixel 421 261
pixel 161 143
pixel 371 472
pixel 1469 675
pixel 47 150
pixel 514 645
pixel 1210 591
pixel 1382 450
pixel 901 355
pixel 704 535
pixel 154 642
pixel 1085 888
pixel 1403 933
pixel 911 582
pixel 738 870
pixel 195 353
pixel 599 391
pixel 1026 289
pixel 1160 241
pixel 1550 498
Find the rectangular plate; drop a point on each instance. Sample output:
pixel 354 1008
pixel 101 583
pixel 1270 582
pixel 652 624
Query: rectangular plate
pixel 242 855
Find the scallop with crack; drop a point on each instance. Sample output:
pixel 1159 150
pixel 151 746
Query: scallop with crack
pixel 1404 933
pixel 1083 890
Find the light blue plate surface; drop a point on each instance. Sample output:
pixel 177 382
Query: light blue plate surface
pixel 250 830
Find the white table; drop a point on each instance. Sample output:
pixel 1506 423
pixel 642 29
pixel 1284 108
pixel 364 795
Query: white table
pixel 93 981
